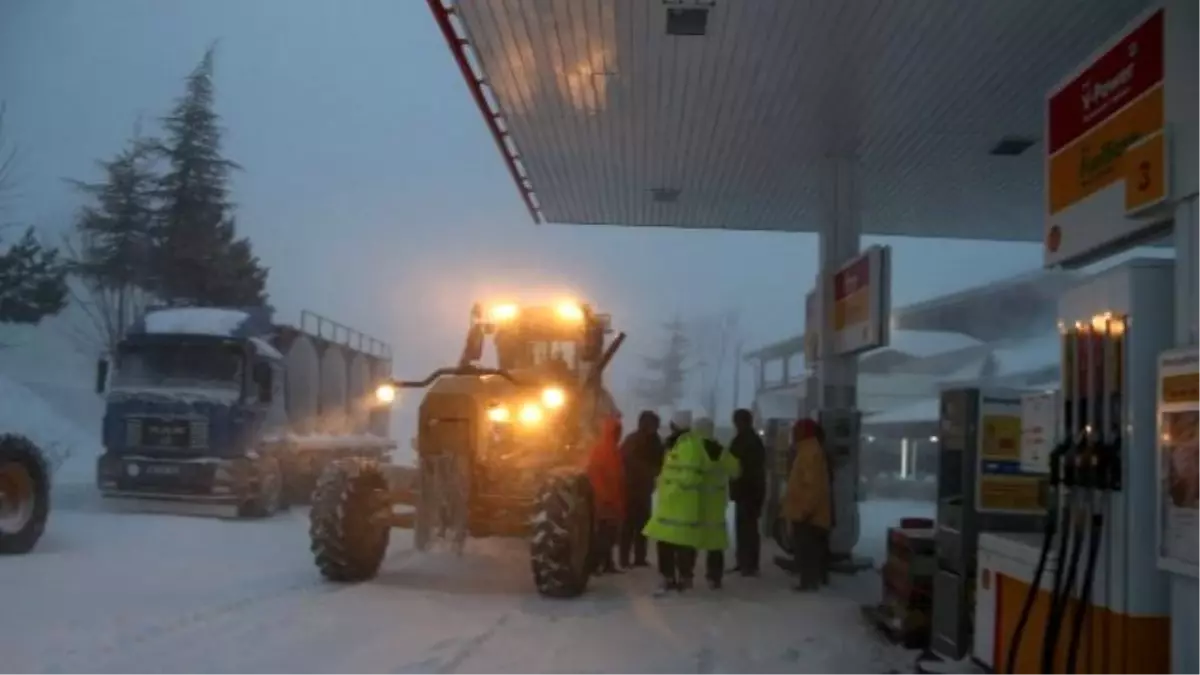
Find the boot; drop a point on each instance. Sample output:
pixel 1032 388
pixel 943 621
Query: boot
pixel 665 588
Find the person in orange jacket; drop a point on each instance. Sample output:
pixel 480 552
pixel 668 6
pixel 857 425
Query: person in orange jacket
pixel 606 472
pixel 807 506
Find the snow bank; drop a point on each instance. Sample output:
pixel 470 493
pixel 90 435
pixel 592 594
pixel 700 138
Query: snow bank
pixel 70 449
pixel 196 321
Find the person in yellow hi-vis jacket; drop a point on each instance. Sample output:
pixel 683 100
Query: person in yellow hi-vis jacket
pixel 686 516
pixel 807 506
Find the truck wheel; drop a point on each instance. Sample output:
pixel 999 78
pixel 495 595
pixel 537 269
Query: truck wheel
pixel 24 494
pixel 349 539
pixel 269 499
pixel 560 551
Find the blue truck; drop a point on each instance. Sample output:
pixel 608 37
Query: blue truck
pixel 223 411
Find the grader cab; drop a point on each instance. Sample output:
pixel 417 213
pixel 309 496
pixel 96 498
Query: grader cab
pixel 501 451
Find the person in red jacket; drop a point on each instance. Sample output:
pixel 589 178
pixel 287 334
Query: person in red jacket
pixel 607 476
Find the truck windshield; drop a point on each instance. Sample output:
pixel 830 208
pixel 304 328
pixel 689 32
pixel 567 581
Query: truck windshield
pixel 180 365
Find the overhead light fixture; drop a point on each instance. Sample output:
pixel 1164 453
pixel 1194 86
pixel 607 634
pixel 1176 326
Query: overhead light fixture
pixel 1011 146
pixel 687 21
pixel 665 195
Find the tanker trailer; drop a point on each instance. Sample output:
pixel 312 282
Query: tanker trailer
pixel 219 411
pixel 501 452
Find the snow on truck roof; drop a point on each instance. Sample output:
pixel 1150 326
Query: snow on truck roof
pixel 198 321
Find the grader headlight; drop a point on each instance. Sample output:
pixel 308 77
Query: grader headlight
pixel 503 313
pixel 531 414
pixel 499 414
pixel 553 397
pixel 385 394
pixel 569 311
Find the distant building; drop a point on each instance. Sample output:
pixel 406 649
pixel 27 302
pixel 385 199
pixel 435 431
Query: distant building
pixel 999 334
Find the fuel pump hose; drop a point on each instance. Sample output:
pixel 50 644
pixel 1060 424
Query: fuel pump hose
pixel 1048 532
pixel 1104 468
pixel 1064 571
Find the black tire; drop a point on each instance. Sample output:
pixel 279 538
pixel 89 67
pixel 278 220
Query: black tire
pixel 24 494
pixel 271 496
pixel 560 551
pixel 349 541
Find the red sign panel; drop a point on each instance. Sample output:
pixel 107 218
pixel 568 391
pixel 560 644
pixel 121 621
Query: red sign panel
pixel 1121 74
pixel 854 278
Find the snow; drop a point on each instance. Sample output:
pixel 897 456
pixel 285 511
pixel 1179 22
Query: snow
pixel 1026 356
pixel 196 321
pixel 925 343
pixel 264 348
pixel 133 593
pixel 311 441
pixel 225 395
pixel 927 410
pixel 71 450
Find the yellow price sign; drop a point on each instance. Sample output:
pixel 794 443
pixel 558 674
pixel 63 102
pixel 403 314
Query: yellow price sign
pixel 1145 167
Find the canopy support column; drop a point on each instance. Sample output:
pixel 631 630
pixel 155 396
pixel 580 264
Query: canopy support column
pixel 836 388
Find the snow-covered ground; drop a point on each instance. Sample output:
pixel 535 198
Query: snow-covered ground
pixel 107 592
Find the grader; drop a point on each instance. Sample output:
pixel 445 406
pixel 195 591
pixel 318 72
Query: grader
pixel 501 451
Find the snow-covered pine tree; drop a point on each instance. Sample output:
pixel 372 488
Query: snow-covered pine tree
pixel 199 260
pixel 663 386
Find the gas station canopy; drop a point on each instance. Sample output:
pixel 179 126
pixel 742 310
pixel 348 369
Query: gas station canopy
pixel 725 113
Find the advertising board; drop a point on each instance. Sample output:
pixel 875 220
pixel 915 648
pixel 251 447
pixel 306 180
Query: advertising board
pixel 1108 169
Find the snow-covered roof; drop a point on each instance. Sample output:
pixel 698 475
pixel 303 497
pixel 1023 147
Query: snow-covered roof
pixel 196 321
pixel 925 410
pixel 926 343
pixel 1026 356
pixel 263 347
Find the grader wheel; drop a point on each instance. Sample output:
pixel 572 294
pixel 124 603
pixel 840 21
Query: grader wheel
pixel 24 494
pixel 349 539
pixel 560 552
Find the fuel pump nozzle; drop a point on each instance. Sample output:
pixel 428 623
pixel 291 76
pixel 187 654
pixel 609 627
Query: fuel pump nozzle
pixel 1106 466
pixel 1078 481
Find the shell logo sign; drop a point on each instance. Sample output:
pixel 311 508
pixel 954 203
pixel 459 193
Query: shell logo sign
pixel 1107 147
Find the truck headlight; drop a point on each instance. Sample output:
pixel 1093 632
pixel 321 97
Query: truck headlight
pixel 553 397
pixel 498 414
pixel 530 414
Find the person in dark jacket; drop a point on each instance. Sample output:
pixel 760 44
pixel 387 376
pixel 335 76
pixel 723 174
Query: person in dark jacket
pixel 642 452
pixel 748 491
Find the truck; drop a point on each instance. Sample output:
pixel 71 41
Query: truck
pixel 223 411
pixel 501 452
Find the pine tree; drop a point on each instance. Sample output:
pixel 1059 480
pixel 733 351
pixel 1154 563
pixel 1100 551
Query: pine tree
pixel 32 277
pixel 116 229
pixel 114 244
pixel 32 282
pixel 664 388
pixel 199 259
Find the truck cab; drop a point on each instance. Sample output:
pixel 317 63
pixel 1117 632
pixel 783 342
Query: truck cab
pixel 192 397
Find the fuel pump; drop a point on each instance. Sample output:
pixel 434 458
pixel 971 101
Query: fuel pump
pixel 1056 496
pixel 1105 470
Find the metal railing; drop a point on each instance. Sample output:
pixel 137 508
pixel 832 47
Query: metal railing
pixel 327 329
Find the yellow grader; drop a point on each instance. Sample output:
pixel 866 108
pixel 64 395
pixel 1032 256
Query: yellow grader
pixel 501 451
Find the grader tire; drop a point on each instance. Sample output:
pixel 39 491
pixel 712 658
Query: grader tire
pixel 560 552
pixel 24 494
pixel 349 541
